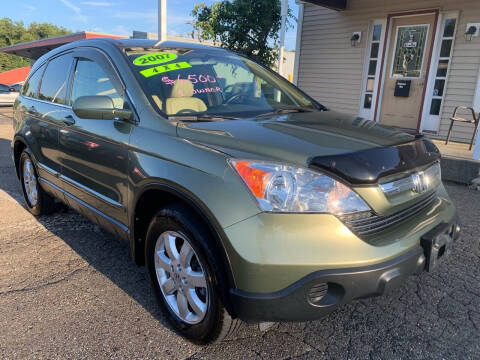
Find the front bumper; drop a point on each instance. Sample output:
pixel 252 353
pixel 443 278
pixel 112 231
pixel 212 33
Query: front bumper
pixel 321 292
pixel 269 252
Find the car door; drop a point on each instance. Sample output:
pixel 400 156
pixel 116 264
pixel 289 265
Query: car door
pixel 47 113
pixel 95 151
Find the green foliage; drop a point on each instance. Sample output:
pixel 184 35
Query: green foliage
pixel 249 27
pixel 15 32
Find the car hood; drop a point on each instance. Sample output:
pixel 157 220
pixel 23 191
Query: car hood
pixel 295 137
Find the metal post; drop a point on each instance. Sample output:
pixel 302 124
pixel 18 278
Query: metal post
pixel 162 20
pixel 283 13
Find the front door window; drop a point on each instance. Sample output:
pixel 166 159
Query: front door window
pixel 409 50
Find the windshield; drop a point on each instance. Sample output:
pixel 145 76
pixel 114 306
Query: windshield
pixel 209 82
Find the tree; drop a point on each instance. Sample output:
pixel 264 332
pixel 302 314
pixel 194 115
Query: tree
pixel 15 32
pixel 249 27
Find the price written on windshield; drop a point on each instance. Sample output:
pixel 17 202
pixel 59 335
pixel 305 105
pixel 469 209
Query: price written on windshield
pixel 194 78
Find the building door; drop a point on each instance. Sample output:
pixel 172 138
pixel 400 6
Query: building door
pixel 406 71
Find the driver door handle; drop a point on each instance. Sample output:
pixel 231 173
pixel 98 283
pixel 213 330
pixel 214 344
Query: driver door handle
pixel 68 120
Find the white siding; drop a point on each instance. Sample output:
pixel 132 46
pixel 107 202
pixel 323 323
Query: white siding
pixel 331 70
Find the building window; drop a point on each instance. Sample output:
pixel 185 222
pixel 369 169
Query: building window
pixel 372 65
pixel 442 65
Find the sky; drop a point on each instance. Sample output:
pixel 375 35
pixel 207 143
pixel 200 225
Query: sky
pixel 113 16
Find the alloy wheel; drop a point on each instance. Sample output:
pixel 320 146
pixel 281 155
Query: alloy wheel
pixel 181 277
pixel 30 182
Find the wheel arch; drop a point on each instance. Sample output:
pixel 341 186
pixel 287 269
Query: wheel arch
pixel 150 198
pixel 19 144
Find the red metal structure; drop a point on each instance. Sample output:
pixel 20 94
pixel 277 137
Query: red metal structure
pixel 34 49
pixel 14 76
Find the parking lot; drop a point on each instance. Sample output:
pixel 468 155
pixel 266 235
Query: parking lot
pixel 69 290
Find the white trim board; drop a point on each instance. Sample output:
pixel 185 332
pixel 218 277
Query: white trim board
pixel 476 107
pixel 431 123
pixel 298 43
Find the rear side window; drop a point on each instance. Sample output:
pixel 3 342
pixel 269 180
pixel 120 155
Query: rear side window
pixel 90 80
pixel 55 79
pixel 4 88
pixel 31 86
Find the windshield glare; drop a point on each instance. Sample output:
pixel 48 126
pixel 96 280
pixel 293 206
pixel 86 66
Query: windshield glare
pixel 211 82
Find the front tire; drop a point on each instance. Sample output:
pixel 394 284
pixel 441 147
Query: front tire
pixel 181 270
pixel 37 200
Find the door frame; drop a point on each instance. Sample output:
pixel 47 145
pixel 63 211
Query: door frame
pixel 384 60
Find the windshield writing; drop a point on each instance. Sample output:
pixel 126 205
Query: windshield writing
pixel 204 81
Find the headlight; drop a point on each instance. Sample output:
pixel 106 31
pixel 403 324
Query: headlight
pixel 284 188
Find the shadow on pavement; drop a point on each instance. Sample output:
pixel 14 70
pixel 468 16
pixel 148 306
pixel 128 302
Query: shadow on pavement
pixel 103 252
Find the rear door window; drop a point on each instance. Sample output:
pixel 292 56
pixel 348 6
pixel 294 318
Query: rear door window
pixel 54 83
pixel 31 86
pixel 4 88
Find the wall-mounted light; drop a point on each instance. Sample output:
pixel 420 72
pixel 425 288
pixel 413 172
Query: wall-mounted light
pixel 470 32
pixel 355 39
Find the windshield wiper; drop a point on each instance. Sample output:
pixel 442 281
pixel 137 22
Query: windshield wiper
pixel 285 111
pixel 202 117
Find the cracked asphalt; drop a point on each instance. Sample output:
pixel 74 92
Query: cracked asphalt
pixel 69 290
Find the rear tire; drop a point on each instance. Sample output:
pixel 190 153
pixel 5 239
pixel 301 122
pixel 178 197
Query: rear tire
pixel 176 234
pixel 37 200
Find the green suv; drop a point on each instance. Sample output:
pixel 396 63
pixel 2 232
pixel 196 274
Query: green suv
pixel 245 198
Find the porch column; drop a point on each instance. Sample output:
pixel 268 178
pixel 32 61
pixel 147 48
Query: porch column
pixel 476 107
pixel 162 20
pixel 284 12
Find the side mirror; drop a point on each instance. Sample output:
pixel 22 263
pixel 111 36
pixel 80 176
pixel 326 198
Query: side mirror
pixel 98 107
pixel 12 89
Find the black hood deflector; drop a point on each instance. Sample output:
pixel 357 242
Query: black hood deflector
pixel 367 166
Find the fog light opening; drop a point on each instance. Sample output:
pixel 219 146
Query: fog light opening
pixel 317 293
pixel 325 294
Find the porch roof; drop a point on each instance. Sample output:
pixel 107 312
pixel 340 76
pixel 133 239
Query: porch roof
pixel 35 49
pixel 331 4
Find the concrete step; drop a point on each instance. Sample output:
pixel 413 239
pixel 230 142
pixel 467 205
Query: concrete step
pixel 460 170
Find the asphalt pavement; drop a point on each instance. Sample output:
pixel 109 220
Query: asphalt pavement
pixel 69 290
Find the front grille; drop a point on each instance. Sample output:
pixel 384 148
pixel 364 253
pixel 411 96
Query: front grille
pixel 365 224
